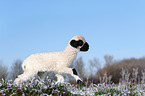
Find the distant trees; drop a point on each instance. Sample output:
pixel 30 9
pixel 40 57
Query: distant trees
pixel 93 66
pixel 16 69
pixel 92 71
pixel 128 65
pixel 109 60
pixel 79 65
pixel 3 71
pixel 87 71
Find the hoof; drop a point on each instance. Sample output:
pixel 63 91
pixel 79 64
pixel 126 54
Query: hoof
pixel 17 81
pixel 80 82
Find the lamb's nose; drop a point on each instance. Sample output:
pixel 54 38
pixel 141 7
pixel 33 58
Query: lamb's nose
pixel 85 47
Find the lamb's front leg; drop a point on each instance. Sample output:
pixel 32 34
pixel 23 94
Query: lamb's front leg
pixel 60 78
pixel 73 73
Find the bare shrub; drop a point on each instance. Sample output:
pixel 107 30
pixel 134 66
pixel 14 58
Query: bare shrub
pixel 132 65
pixel 108 60
pixel 16 69
pixel 3 71
pixel 87 71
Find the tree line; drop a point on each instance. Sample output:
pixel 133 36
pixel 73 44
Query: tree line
pixel 16 69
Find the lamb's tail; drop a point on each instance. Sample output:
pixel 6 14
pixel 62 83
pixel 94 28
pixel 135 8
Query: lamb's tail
pixel 23 66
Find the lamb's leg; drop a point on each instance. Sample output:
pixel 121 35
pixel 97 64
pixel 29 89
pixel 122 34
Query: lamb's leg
pixel 60 78
pixel 24 77
pixel 41 75
pixel 72 73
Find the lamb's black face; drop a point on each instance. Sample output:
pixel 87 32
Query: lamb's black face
pixel 83 46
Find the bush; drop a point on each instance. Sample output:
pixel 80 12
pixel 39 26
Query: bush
pixel 133 66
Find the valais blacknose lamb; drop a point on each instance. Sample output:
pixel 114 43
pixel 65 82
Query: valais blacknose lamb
pixel 57 62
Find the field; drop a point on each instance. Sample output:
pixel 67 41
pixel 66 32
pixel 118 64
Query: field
pixel 37 87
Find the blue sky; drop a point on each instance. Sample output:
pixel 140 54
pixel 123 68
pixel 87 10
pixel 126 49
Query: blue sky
pixel 111 27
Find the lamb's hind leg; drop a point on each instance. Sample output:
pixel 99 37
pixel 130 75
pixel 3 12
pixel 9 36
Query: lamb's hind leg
pixel 41 75
pixel 24 77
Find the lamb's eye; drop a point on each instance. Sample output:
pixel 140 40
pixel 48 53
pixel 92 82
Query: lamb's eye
pixel 80 42
pixel 74 43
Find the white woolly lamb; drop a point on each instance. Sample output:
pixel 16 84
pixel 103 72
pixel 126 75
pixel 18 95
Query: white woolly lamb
pixel 57 62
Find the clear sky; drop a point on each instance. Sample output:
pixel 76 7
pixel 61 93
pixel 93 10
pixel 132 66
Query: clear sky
pixel 111 27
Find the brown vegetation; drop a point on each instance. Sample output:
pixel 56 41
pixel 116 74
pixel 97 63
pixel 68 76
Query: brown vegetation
pixel 126 64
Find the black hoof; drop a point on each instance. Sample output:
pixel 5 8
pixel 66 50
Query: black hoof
pixel 80 82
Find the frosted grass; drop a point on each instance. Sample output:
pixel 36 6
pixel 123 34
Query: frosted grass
pixel 46 87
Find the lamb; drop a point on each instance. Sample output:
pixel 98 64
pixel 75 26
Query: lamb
pixel 57 62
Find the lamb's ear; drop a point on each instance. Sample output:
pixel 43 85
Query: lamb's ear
pixel 74 43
